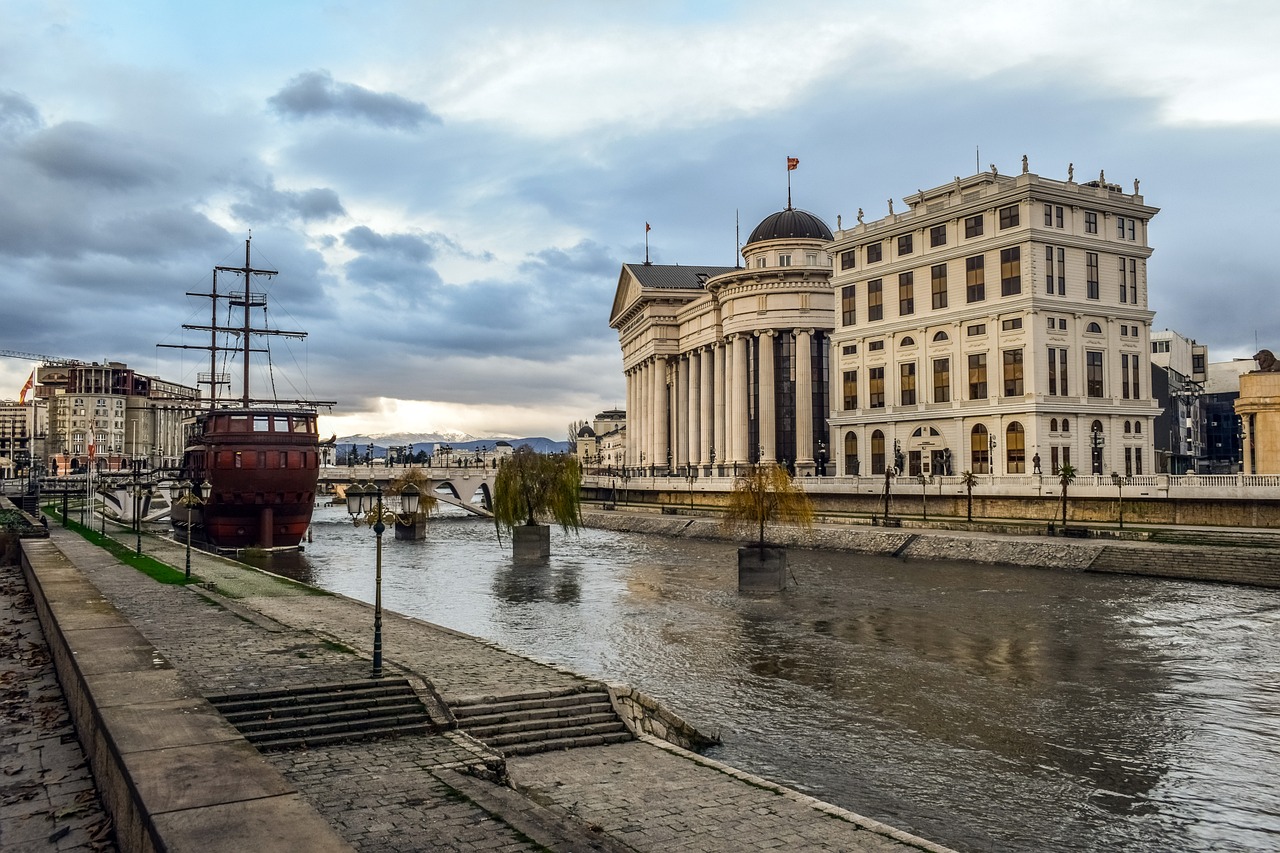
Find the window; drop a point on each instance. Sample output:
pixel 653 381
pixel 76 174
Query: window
pixel 938 284
pixel 1137 427
pixel 851 453
pixel 1126 224
pixel 784 260
pixel 1008 216
pixel 849 349
pixel 938 236
pixel 976 329
pixel 875 346
pixel 875 398
pixel 1053 424
pixel 973 226
pixel 980 450
pixel 905 244
pixel 906 294
pixel 1013 373
pixel 1011 271
pixel 1137 460
pixel 1090 222
pixel 1066 427
pixel 1129 279
pixel 1052 215
pixel 1055 270
pixel 907 341
pixel 1093 329
pixel 938 337
pixel 1129 366
pixel 848 307
pixel 1124 283
pixel 978 376
pixel 759 262
pixel 875 299
pixel 1124 331
pixel 875 252
pixel 847 259
pixel 1011 325
pixel 1091 275
pixel 907 383
pixel 850 390
pixel 1093 373
pixel 877 452
pixel 811 259
pixel 942 380
pixel 974 278
pixel 1015 449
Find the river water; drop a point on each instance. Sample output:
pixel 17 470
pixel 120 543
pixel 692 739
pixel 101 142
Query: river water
pixel 986 708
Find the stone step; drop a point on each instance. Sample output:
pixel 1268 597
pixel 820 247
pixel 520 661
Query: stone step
pixel 345 729
pixel 516 738
pixel 484 733
pixel 299 717
pixel 500 705
pixel 314 740
pixel 310 695
pixel 532 747
pixel 325 706
pixel 527 714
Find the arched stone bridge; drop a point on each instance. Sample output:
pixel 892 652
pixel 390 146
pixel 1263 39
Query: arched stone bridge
pixel 470 489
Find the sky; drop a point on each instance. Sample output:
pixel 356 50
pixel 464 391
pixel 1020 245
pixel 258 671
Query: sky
pixel 449 190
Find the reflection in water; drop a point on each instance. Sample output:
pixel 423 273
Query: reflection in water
pixel 985 707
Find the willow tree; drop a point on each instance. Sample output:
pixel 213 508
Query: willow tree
pixel 766 494
pixel 531 486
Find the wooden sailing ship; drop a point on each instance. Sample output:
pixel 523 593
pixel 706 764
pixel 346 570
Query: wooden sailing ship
pixel 252 464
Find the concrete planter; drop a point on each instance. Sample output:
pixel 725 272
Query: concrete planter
pixel 762 569
pixel 416 530
pixel 531 542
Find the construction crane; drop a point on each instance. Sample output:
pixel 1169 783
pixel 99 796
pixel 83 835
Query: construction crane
pixel 35 356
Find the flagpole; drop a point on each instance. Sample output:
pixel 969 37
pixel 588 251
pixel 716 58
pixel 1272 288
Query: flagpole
pixel 646 244
pixel 788 185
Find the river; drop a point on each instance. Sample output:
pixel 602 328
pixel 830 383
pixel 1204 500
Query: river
pixel 984 707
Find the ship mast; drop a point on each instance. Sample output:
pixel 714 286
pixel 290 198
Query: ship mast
pixel 248 300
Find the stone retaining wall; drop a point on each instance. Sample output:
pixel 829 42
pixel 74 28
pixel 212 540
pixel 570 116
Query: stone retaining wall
pixel 645 715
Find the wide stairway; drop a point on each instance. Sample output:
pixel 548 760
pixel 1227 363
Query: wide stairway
pixel 320 714
pixel 526 723
pixel 1231 565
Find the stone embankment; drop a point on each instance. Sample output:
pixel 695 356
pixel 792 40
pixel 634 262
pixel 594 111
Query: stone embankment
pixel 1251 561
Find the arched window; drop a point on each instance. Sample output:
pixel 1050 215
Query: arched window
pixel 877 452
pixel 1053 424
pixel 1066 425
pixel 1093 328
pixel 1015 449
pixel 851 454
pixel 940 336
pixel 1137 427
pixel 980 450
pixel 908 341
pixel 1128 427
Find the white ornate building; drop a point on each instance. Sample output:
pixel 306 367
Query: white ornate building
pixel 998 322
pixel 728 365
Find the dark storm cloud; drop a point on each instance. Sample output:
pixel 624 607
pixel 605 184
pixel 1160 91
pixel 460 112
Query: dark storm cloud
pixel 77 152
pixel 267 204
pixel 18 115
pixel 314 94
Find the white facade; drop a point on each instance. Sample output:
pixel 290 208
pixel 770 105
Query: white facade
pixel 999 321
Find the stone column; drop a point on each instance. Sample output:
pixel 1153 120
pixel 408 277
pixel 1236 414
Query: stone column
pixel 738 420
pixel 631 418
pixel 680 441
pixel 706 400
pixel 661 414
pixel 767 406
pixel 695 408
pixel 720 439
pixel 804 402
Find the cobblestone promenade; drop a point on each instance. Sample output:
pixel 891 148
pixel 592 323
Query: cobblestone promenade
pixel 424 792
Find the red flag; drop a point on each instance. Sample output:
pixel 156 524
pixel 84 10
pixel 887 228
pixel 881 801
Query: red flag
pixel 647 229
pixel 22 395
pixel 792 163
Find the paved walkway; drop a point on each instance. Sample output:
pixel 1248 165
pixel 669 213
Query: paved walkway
pixel 252 631
pixel 47 798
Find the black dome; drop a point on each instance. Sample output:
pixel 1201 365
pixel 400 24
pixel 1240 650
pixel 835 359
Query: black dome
pixel 791 222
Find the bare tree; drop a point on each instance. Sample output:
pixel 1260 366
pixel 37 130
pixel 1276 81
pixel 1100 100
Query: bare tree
pixel 574 428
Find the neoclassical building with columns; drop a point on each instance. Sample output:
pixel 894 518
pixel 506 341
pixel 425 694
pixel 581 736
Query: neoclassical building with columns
pixel 729 365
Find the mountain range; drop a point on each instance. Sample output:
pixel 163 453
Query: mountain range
pixel 427 441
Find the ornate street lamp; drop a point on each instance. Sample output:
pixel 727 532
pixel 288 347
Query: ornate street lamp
pixel 190 495
pixel 365 506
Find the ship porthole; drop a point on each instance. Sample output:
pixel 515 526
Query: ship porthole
pixel 239 531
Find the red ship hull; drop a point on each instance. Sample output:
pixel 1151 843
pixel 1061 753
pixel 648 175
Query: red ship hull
pixel 259 468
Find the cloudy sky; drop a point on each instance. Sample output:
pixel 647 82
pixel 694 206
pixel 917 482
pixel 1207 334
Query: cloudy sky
pixel 449 189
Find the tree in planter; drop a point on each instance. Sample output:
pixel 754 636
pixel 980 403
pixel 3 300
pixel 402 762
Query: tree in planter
pixel 533 485
pixel 764 494
pixel 1066 476
pixel 969 479
pixel 416 528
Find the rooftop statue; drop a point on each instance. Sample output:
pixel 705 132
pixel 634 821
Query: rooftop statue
pixel 1267 361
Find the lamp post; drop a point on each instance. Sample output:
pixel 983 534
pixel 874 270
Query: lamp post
pixel 365 506
pixel 822 458
pixel 137 465
pixel 1118 482
pixel 189 495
